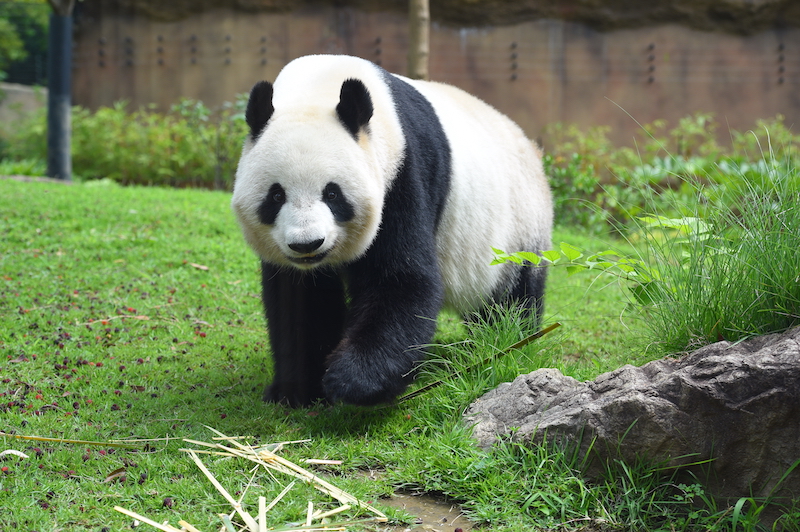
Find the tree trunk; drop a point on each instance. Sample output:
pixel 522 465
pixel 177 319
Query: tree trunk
pixel 62 8
pixel 419 22
pixel 59 90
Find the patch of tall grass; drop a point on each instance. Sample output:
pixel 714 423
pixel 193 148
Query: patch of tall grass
pixel 733 270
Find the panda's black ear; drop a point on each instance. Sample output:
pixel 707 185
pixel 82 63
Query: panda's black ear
pixel 355 106
pixel 259 108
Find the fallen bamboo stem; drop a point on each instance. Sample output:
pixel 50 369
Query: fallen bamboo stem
pixel 248 519
pixel 522 343
pixel 64 440
pixel 143 519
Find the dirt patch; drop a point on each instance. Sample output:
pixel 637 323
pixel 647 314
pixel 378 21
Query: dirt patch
pixel 431 513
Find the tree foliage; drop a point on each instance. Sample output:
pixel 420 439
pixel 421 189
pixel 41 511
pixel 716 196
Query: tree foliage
pixel 23 31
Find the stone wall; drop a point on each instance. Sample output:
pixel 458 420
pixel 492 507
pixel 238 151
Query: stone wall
pixel 538 70
pixel 19 101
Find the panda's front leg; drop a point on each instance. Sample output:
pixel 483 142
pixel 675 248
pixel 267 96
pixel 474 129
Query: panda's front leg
pixel 305 316
pixel 392 316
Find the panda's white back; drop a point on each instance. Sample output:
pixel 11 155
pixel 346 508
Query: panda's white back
pixel 499 196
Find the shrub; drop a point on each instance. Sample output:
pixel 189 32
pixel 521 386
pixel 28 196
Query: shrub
pixel 190 146
pixel 596 185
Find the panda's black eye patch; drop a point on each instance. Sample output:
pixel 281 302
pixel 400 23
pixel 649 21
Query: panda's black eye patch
pixel 342 209
pixel 271 205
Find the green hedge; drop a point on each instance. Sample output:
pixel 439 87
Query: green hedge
pixel 190 146
pixel 595 183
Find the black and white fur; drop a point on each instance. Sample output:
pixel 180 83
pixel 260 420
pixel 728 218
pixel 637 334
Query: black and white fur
pixel 374 201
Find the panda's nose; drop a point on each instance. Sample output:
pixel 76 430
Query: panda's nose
pixel 306 247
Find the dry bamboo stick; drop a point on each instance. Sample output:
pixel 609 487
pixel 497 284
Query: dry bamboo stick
pixel 165 527
pixel 280 496
pixel 187 526
pixel 246 517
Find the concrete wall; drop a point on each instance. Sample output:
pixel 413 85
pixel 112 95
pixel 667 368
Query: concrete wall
pixel 19 101
pixel 537 72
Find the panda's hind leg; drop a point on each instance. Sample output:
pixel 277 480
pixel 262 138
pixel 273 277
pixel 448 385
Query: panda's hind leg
pixel 526 291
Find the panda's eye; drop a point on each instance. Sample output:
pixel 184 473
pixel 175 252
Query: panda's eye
pixel 331 192
pixel 271 204
pixel 336 200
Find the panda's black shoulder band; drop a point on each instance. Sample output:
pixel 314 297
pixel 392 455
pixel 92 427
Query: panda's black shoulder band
pixel 355 106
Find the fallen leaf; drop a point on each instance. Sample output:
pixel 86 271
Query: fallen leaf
pixel 198 266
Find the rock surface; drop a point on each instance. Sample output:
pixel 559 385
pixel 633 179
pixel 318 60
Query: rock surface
pixel 736 403
pixel 737 16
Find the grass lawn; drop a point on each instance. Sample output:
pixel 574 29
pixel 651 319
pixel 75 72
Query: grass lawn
pixel 134 313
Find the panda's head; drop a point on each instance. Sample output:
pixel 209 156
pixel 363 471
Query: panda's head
pixel 309 190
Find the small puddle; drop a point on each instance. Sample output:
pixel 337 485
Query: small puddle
pixel 431 513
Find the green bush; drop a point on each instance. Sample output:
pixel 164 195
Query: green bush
pixel 188 147
pixel 595 184
pixel 23 167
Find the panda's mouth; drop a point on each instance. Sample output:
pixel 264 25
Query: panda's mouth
pixel 309 260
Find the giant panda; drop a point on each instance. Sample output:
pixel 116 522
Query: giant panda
pixel 373 201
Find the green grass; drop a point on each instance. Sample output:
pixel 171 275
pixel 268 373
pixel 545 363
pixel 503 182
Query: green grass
pixel 135 313
pixel 734 275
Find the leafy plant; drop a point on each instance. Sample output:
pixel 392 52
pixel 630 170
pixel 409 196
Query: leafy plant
pixel 23 33
pixel 576 260
pixel 191 146
pixel 24 167
pixel 597 185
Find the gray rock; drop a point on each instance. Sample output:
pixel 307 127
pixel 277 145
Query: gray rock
pixel 738 404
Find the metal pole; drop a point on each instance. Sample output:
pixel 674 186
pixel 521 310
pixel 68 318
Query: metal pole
pixel 59 80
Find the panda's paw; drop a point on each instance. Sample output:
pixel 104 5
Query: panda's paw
pixel 361 384
pixel 294 396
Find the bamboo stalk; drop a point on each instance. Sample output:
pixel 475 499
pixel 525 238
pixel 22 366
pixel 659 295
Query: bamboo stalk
pixel 63 440
pixel 269 459
pixel 165 527
pixel 280 496
pixel 329 513
pixel 248 519
pixel 262 514
pixel 266 457
pixel 187 526
pixel 522 343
